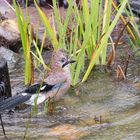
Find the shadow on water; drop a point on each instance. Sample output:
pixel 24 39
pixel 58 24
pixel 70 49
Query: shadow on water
pixel 103 109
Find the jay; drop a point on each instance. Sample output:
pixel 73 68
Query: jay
pixel 55 85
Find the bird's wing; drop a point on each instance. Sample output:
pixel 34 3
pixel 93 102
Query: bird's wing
pixel 40 98
pixel 49 83
pixel 40 87
pixel 14 101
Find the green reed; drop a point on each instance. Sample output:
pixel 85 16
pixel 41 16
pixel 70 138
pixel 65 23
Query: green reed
pixel 90 29
pixel 26 34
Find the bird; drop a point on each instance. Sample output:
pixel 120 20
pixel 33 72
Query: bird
pixel 55 85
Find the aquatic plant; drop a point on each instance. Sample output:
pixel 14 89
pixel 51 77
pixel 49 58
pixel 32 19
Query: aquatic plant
pixel 90 29
pixel 84 32
pixel 104 27
pixel 26 34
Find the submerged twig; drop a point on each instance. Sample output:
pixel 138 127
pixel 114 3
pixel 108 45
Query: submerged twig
pixel 112 55
pixel 116 44
pixel 130 56
pixel 127 63
pixel 2 126
pixel 120 73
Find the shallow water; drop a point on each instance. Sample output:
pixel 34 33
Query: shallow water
pixel 103 109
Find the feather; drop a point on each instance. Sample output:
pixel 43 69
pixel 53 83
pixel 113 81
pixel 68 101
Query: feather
pixel 14 101
pixel 38 88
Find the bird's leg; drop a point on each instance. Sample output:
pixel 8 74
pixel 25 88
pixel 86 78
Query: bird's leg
pixel 51 105
pixel 57 90
pixel 2 125
pixel 51 102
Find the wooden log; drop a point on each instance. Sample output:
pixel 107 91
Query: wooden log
pixel 5 87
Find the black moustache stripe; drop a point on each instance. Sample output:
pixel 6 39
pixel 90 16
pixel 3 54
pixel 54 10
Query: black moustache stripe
pixel 68 62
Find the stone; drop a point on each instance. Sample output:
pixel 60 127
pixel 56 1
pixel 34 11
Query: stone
pixel 11 57
pixel 135 5
pixel 9 35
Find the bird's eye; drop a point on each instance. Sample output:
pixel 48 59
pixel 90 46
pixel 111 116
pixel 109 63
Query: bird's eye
pixel 63 60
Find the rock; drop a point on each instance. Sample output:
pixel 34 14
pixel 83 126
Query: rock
pixel 2 17
pixel 11 57
pixel 9 35
pixel 135 5
pixel 6 10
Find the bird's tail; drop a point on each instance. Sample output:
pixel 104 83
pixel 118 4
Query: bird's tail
pixel 14 101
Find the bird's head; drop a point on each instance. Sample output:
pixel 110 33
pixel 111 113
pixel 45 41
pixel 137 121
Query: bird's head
pixel 61 60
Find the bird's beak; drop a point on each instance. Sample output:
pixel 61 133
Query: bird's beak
pixel 71 61
pixel 68 62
